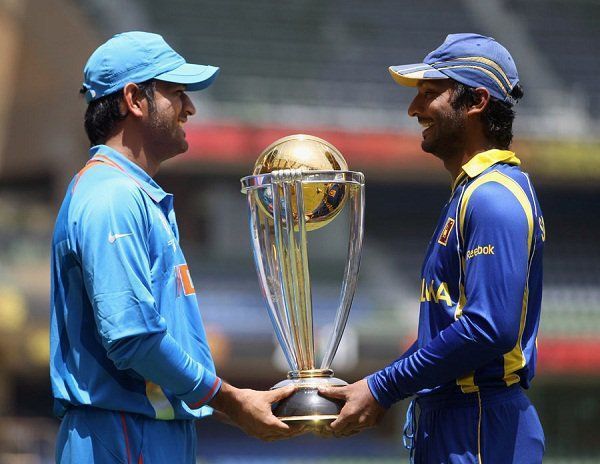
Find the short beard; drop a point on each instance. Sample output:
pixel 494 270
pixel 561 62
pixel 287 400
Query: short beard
pixel 163 134
pixel 450 137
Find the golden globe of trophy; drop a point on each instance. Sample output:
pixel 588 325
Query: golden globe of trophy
pixel 301 183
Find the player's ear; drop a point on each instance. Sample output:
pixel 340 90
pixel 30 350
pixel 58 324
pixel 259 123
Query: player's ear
pixel 481 101
pixel 133 100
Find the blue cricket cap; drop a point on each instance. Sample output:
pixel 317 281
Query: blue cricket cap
pixel 471 59
pixel 137 57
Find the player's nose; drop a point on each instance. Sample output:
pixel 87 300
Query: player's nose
pixel 188 106
pixel 415 107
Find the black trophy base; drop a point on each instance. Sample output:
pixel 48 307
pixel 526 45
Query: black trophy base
pixel 306 406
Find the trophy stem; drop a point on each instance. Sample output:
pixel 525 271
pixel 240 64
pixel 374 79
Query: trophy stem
pixel 293 271
pixel 302 275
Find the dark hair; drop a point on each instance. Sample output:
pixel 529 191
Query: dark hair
pixel 497 117
pixel 102 115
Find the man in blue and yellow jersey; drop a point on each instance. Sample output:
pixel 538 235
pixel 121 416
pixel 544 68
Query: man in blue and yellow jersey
pixel 481 281
pixel 130 365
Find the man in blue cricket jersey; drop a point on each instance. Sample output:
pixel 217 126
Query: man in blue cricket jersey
pixel 130 365
pixel 481 281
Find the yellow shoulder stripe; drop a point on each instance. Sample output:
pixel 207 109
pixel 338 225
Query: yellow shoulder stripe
pixel 515 359
pixel 512 186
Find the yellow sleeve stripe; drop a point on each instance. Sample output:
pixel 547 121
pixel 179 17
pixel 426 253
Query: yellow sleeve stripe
pixel 515 359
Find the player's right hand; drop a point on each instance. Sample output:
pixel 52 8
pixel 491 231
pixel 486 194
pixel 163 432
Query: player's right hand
pixel 251 411
pixel 360 410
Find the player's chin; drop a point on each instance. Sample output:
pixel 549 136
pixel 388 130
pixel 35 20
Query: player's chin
pixel 426 146
pixel 175 150
pixel 183 146
pixel 430 145
pixel 179 136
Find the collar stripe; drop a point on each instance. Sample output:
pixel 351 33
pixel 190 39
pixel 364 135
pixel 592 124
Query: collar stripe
pixel 99 158
pixel 482 161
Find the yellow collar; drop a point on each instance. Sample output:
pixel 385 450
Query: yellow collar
pixel 481 161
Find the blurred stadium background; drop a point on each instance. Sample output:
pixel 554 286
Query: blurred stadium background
pixel 317 67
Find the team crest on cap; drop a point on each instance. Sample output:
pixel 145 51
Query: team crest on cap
pixel 443 238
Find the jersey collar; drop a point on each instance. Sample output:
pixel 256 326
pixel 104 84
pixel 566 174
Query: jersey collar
pixel 484 160
pixel 141 177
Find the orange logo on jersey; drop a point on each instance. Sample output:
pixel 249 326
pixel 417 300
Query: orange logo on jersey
pixel 443 239
pixel 184 280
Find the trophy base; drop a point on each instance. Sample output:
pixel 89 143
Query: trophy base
pixel 306 406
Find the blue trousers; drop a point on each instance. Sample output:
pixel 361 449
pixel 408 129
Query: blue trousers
pixel 97 436
pixel 496 427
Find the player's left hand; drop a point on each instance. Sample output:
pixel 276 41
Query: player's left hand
pixel 361 410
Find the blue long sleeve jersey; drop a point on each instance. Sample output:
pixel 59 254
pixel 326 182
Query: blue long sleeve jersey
pixel 126 332
pixel 481 288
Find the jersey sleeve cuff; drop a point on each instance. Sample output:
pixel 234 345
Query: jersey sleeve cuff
pixel 379 391
pixel 202 396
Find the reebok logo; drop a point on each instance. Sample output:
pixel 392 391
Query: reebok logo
pixel 480 250
pixel 113 237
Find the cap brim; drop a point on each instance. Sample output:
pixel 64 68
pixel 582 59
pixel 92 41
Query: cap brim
pixel 410 74
pixel 194 76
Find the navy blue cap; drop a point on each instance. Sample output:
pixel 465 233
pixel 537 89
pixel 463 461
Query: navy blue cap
pixel 137 57
pixel 471 59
